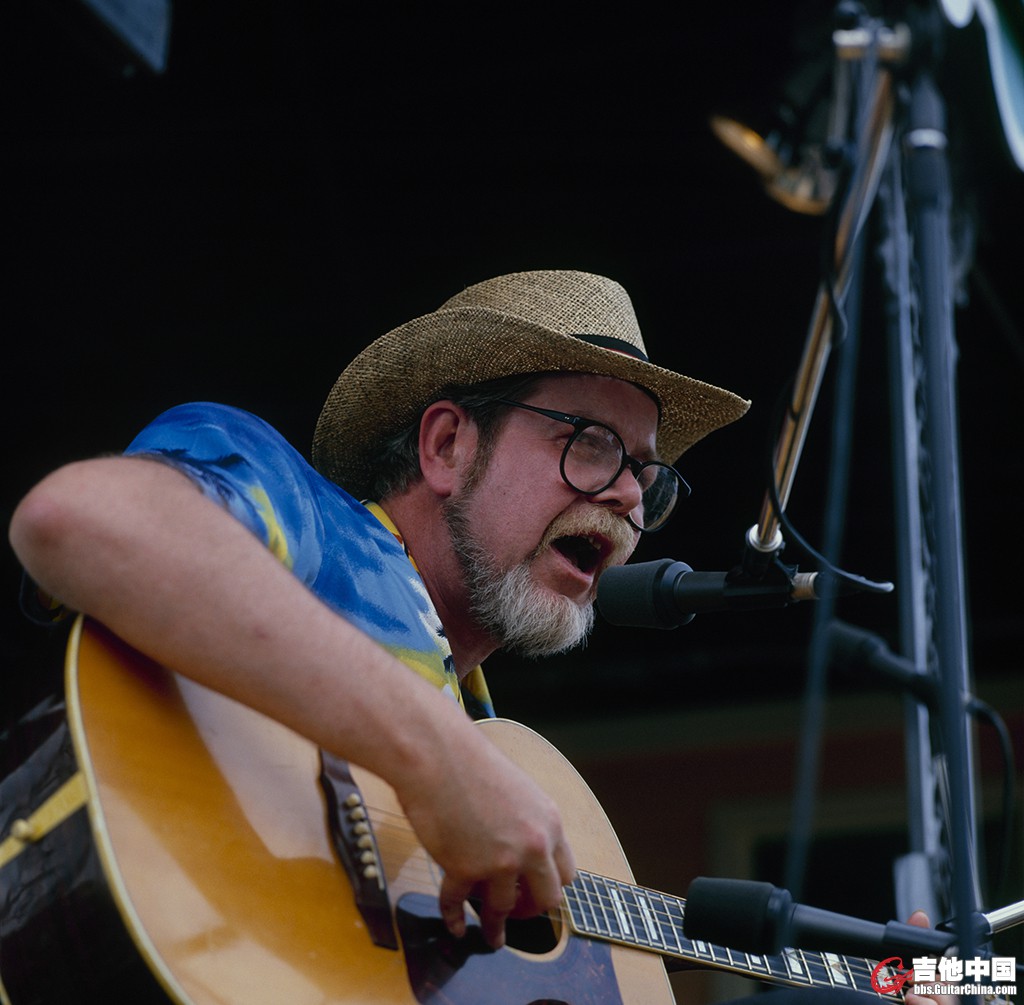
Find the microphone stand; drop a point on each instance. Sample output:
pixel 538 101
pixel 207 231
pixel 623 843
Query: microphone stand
pixel 933 610
pixel 929 204
pixel 765 537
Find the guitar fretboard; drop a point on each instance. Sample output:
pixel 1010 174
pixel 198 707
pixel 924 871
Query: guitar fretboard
pixel 603 908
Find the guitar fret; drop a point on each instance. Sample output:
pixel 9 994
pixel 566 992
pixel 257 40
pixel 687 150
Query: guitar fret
pixel 812 965
pixel 650 924
pixel 791 958
pixel 606 915
pixel 586 904
pixel 817 968
pixel 666 925
pixel 861 978
pixel 674 928
pixel 641 934
pixel 642 923
pixel 596 922
pixel 834 968
pixel 619 907
pixel 620 912
pixel 578 907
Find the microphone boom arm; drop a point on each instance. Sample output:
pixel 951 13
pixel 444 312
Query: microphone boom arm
pixel 765 537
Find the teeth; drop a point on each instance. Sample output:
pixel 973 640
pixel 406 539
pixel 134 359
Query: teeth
pixel 585 550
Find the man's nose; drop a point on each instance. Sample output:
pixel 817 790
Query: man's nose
pixel 623 496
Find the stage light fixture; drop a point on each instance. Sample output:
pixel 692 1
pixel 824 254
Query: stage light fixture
pixel 786 142
pixel 794 174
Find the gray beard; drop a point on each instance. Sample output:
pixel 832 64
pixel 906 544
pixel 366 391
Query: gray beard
pixel 525 618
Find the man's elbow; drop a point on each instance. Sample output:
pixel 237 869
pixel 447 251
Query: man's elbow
pixel 43 519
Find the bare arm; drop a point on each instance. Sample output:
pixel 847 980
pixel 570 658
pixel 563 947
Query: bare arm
pixel 135 545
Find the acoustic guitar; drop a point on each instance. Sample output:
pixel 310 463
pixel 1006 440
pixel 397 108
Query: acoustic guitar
pixel 165 843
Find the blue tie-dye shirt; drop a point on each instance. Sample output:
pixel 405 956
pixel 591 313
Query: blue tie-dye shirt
pixel 349 554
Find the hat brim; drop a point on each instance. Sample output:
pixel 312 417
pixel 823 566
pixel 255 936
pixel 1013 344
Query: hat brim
pixel 389 383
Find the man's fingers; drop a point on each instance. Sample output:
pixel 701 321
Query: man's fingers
pixel 452 903
pixel 497 902
pixel 565 861
pixel 542 890
pixel 503 898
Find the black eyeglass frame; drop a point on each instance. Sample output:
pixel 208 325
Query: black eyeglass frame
pixel 579 423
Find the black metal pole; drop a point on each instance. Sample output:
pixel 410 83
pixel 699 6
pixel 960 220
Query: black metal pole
pixel 928 191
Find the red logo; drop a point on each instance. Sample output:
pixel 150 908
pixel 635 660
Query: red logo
pixel 892 982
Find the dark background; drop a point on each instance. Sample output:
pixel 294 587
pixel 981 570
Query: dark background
pixel 302 178
pixel 306 175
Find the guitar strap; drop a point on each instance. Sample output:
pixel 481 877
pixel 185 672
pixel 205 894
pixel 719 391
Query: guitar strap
pixel 38 606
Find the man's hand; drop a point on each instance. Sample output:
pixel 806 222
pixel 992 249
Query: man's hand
pixel 497 837
pixel 920 920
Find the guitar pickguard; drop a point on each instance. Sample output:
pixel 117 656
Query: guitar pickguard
pixel 468 971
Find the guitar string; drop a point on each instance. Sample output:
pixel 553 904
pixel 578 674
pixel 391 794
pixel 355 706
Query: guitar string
pixel 821 968
pixel 660 904
pixel 817 970
pixel 420 868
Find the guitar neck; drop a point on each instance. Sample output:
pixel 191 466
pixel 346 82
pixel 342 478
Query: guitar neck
pixel 612 911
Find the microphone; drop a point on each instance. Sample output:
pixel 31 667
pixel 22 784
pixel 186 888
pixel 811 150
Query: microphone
pixel 853 650
pixel 763 919
pixel 666 593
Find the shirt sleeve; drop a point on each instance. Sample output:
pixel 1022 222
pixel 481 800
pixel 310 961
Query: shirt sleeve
pixel 246 466
pixel 330 541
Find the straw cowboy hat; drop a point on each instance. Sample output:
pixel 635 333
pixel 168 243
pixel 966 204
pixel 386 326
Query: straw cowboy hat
pixel 527 322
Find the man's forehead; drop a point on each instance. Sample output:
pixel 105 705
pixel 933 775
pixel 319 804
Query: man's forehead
pixel 632 410
pixel 597 388
pixel 596 383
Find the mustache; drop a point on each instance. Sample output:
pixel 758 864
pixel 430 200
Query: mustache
pixel 579 522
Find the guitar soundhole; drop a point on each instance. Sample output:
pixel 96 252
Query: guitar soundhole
pixel 537 935
pixel 532 935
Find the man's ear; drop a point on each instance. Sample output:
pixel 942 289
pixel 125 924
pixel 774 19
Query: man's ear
pixel 448 442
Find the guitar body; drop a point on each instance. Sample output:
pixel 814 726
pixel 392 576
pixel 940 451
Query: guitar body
pixel 200 836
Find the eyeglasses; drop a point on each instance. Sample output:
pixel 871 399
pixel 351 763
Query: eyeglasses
pixel 595 456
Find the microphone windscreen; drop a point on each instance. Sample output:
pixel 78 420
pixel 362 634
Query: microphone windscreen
pixel 730 912
pixel 629 594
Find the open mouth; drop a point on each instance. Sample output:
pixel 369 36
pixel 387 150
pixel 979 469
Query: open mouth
pixel 583 550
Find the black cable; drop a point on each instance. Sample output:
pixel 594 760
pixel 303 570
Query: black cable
pixel 844 176
pixel 859 583
pixel 982 710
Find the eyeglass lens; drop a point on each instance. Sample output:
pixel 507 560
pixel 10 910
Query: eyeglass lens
pixel 593 459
